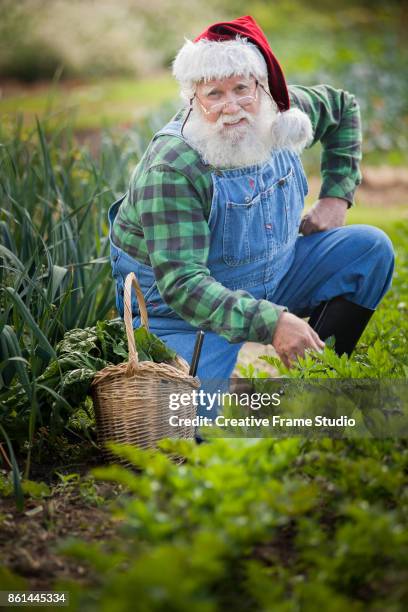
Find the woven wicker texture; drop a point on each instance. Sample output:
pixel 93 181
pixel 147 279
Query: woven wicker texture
pixel 131 400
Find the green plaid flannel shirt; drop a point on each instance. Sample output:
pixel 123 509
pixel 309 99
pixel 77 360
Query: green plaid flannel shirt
pixel 162 222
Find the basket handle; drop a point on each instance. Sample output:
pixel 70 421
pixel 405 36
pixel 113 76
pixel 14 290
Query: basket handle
pixel 129 281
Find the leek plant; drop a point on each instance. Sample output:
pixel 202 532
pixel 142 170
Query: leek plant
pixel 54 253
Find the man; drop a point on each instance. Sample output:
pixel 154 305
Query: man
pixel 210 224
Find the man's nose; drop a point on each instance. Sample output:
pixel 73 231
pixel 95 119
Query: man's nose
pixel 231 107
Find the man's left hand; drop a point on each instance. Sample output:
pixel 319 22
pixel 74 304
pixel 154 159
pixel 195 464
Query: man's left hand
pixel 325 214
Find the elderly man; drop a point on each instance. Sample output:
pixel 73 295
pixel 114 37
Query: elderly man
pixel 211 221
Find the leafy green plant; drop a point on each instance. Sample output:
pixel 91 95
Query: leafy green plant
pixel 65 385
pixel 54 265
pixel 260 524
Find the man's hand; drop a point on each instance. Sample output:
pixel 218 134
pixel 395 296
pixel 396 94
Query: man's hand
pixel 325 214
pixel 292 337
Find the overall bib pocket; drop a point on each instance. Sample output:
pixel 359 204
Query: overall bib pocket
pixel 283 206
pixel 244 238
pixel 255 230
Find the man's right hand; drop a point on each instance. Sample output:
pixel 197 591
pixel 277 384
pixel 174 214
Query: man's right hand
pixel 292 337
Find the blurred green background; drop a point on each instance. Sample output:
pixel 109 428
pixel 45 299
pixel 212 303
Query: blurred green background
pixel 111 58
pixel 107 64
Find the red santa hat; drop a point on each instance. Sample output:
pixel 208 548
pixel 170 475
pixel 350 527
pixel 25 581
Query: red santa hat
pixel 239 47
pixel 228 48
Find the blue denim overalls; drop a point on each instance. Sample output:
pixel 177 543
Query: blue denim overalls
pixel 254 220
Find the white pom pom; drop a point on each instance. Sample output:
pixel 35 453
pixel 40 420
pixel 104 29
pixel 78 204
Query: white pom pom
pixel 292 130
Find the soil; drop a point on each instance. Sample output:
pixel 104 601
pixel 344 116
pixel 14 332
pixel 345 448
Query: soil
pixel 382 187
pixel 30 540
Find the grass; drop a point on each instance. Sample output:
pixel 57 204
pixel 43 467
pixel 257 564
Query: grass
pixel 384 219
pixel 91 105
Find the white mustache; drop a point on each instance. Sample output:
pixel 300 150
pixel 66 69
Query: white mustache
pixel 234 119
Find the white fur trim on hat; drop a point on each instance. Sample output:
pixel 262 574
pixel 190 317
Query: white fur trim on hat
pixel 206 60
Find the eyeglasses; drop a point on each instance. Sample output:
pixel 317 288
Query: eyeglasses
pixel 218 107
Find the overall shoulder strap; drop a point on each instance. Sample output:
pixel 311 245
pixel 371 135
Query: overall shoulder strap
pixel 172 128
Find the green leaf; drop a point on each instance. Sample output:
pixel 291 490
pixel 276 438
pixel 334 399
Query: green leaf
pixel 28 318
pixel 35 489
pixel 151 348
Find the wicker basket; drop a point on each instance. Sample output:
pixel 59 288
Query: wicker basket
pixel 131 399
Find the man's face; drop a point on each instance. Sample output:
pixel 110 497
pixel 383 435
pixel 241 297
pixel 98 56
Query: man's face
pixel 231 101
pixel 230 123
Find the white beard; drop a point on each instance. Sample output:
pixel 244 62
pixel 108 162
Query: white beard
pixel 250 143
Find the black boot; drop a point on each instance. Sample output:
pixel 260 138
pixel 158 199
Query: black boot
pixel 343 319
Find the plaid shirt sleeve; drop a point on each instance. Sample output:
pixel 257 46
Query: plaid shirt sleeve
pixel 335 118
pixel 177 238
